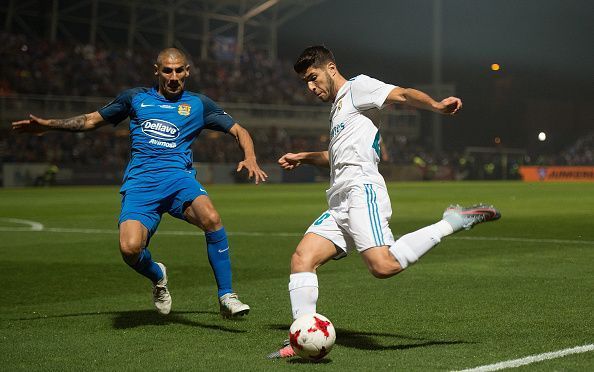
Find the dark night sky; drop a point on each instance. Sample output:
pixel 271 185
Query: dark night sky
pixel 545 48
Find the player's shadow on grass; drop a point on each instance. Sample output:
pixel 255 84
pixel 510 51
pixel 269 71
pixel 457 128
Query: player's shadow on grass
pixel 305 361
pixel 369 340
pixel 381 340
pixel 140 318
pixel 133 319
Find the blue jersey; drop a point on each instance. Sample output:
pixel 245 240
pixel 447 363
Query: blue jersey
pixel 162 132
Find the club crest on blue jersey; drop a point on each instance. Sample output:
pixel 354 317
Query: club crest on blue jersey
pixel 184 109
pixel 160 129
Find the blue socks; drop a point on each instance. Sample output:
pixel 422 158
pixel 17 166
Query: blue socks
pixel 218 256
pixel 147 267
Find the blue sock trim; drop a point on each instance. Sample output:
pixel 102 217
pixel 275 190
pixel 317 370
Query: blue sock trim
pixel 216 236
pixel 147 267
pixel 217 247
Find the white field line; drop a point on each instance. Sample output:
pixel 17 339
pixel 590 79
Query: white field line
pixel 159 232
pixel 33 225
pixel 38 227
pixel 521 240
pixel 531 359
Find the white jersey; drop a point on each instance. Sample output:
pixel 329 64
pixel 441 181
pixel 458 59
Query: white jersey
pixel 354 149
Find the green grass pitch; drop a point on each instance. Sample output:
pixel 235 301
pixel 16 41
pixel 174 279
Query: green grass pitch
pixel 518 287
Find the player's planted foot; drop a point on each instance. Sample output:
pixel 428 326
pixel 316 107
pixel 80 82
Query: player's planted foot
pixel 161 296
pixel 285 352
pixel 231 306
pixel 466 217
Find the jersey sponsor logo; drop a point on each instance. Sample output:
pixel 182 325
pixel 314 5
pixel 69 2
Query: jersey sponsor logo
pixel 336 129
pixel 170 145
pixel 167 106
pixel 184 109
pixel 160 129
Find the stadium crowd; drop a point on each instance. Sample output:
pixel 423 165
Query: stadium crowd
pixel 41 67
pixel 81 149
pixel 580 153
pixel 113 146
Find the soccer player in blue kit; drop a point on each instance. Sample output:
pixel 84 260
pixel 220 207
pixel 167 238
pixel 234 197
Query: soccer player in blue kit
pixel 164 121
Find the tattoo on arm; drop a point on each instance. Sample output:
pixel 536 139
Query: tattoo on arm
pixel 74 124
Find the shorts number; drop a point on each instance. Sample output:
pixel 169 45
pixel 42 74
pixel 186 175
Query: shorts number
pixel 321 218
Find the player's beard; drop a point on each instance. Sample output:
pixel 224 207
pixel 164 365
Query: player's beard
pixel 331 88
pixel 171 92
pixel 176 87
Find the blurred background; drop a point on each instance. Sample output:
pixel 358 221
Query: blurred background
pixel 524 70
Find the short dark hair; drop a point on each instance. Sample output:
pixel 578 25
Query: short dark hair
pixel 314 56
pixel 170 52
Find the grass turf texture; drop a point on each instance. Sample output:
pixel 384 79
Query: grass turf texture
pixel 505 290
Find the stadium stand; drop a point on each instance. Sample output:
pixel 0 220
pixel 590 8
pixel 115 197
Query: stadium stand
pixel 41 67
pixel 38 68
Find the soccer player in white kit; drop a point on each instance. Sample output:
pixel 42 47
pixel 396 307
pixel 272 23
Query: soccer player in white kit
pixel 359 205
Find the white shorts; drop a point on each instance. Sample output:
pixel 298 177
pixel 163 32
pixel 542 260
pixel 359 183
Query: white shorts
pixel 358 219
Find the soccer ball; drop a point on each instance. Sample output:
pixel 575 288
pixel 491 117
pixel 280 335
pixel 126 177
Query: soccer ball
pixel 312 336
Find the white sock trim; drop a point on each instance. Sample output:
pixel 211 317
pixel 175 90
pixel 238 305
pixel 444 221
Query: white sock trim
pixel 304 279
pixel 444 228
pixel 403 254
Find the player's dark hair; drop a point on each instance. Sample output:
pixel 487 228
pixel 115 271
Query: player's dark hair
pixel 168 52
pixel 315 56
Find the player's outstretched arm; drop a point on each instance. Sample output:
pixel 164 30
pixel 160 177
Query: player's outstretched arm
pixel 39 125
pixel 247 145
pixel 291 161
pixel 418 99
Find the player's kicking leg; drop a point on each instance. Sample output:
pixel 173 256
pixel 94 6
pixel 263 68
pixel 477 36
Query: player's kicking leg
pixel 409 248
pixel 312 252
pixel 201 212
pixel 133 240
pixel 387 261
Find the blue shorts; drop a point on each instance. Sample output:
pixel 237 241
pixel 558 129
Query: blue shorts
pixel 147 205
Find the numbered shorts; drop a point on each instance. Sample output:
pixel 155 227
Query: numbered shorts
pixel 358 219
pixel 147 205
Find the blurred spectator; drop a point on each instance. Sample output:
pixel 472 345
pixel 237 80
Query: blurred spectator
pixel 41 67
pixel 580 153
pixel 63 148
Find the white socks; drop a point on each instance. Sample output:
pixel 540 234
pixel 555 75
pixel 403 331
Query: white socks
pixel 303 290
pixel 410 247
pixel 444 227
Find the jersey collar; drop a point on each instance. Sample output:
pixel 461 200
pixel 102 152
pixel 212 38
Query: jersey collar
pixel 341 92
pixel 156 94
